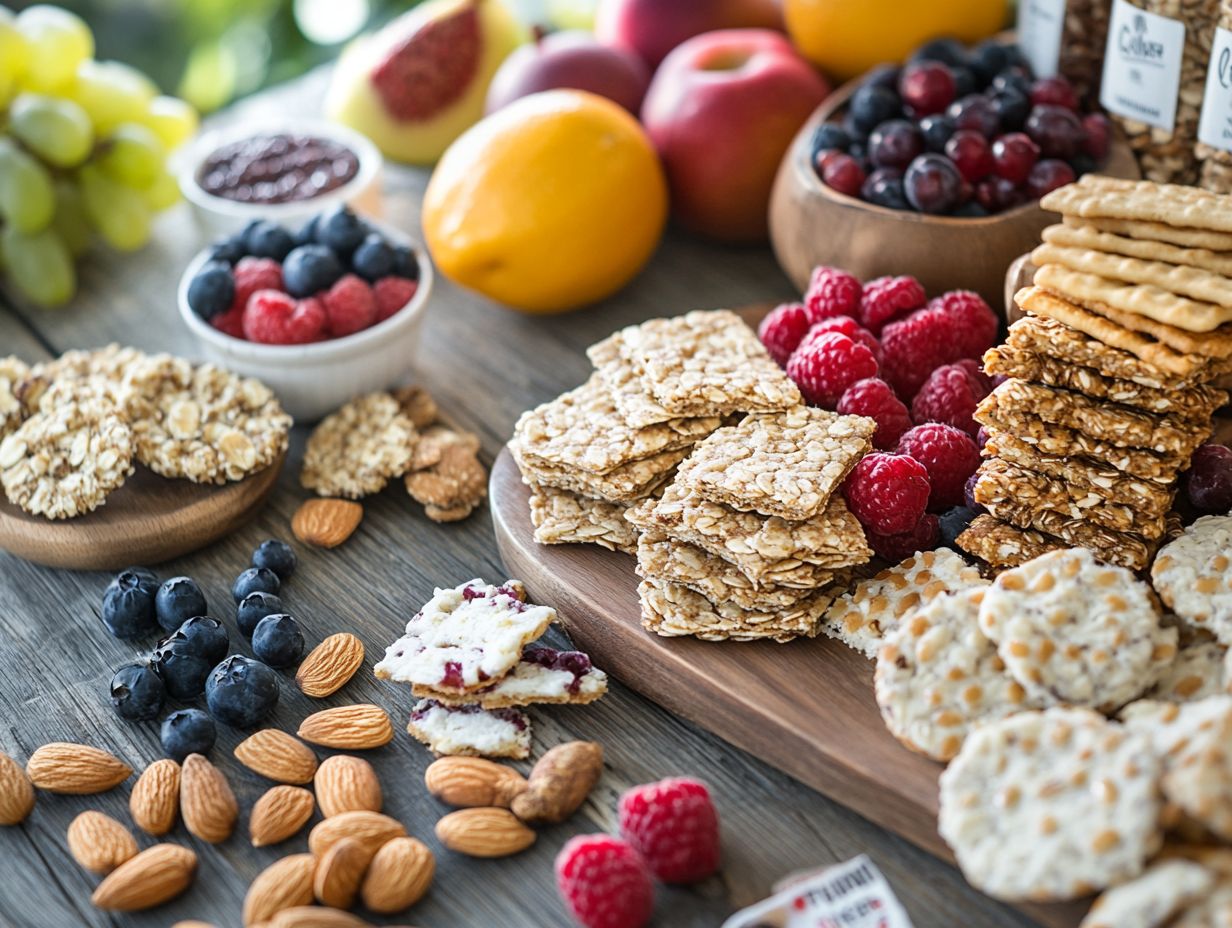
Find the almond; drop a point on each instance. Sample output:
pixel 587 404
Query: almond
pixel 398 876
pixel 283 884
pixel 193 923
pixel 560 782
pixel 277 755
pixel 16 792
pixel 326 523
pixel 347 784
pixel 155 801
pixel 473 781
pixel 315 916
pixel 206 801
pixel 76 769
pixel 339 872
pixel 99 843
pixel 348 728
pixel 279 815
pixel 157 874
pixel 488 832
pixel 330 665
pixel 371 829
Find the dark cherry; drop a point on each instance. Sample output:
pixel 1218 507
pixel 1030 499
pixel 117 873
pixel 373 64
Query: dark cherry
pixel 884 187
pixel 1048 175
pixel 894 144
pixel 927 87
pixel 844 174
pixel 970 153
pixel 932 184
pixel 975 111
pixel 1057 131
pixel 1099 135
pixel 996 194
pixel 1055 90
pixel 1013 157
pixel 823 158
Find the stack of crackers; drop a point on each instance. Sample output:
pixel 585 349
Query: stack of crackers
pixel 1111 373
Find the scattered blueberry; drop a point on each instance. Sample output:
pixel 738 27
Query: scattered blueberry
pixel 211 290
pixel 310 269
pixel 255 580
pixel 187 731
pixel 278 641
pixel 253 608
pixel 137 693
pixel 203 636
pixel 268 240
pixel 183 672
pixel 177 601
pixel 953 523
pixel 278 556
pixel 374 258
pixel 341 230
pixel 241 692
pixel 128 603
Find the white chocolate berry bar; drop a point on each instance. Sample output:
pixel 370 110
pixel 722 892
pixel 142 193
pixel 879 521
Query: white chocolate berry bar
pixel 470 730
pixel 543 675
pixel 466 638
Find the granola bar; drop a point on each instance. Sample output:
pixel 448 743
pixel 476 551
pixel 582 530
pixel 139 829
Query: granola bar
pixel 629 483
pixel 671 610
pixel 561 517
pixel 1003 545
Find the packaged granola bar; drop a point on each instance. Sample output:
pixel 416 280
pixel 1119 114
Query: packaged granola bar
pixel 1066 37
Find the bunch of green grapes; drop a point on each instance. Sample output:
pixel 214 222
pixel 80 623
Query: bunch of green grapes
pixel 83 149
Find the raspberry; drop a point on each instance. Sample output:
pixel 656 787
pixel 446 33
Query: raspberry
pixel 274 318
pixel 1209 483
pixel 675 827
pixel 350 306
pixel 914 347
pixel 888 298
pixel 888 493
pixel 231 322
pixel 604 882
pixel 831 292
pixel 253 274
pixel 845 325
pixel 828 366
pixel 923 537
pixel 782 330
pixel 875 398
pixel 975 324
pixel 950 395
pixel 392 293
pixel 949 455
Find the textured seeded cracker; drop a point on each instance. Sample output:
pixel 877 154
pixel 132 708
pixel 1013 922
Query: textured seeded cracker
pixel 1198 779
pixel 430 445
pixel 1197 672
pixel 783 464
pixel 638 408
pixel 671 610
pixel 355 451
pixel 1153 898
pixel 1214 911
pixel 452 487
pixel 561 517
pixel 418 406
pixel 1003 545
pixel 634 481
pixel 1193 576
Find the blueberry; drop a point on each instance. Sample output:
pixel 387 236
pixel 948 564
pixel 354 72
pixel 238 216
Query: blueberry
pixel 211 290
pixel 987 60
pixel 310 269
pixel 341 230
pixel 829 135
pixel 1012 108
pixel 953 523
pixel 128 603
pixel 177 601
pixel 949 51
pixel 1015 78
pixel 937 130
pixel 187 731
pixel 183 672
pixel 253 608
pixel 268 240
pixel 408 264
pixel 307 233
pixel 278 640
pixel 964 81
pixel 241 692
pixel 884 75
pixel 202 636
pixel 374 258
pixel 255 580
pixel 278 556
pixel 228 250
pixel 137 693
pixel 885 188
pixel 970 210
pixel 872 104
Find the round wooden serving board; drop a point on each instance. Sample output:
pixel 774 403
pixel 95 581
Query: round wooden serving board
pixel 148 520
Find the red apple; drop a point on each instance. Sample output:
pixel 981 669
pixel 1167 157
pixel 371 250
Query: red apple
pixel 652 28
pixel 722 110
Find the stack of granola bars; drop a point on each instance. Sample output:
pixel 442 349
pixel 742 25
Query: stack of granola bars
pixel 1110 374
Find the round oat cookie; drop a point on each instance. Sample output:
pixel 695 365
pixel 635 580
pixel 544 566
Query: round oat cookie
pixel 1073 630
pixel 1193 575
pixel 938 677
pixel 100 372
pixel 1152 899
pixel 1214 911
pixel 1197 672
pixel 13 371
pixel 357 450
pixel 1051 805
pixel 63 462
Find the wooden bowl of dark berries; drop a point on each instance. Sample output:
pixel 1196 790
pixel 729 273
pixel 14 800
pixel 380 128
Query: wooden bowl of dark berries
pixel 935 169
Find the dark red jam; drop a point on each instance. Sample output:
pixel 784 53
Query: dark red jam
pixel 279 168
pixel 574 662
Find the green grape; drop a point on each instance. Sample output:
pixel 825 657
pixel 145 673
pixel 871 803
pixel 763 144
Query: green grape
pixel 132 156
pixel 111 93
pixel 172 120
pixel 118 212
pixel 14 54
pixel 70 222
pixel 58 42
pixel 163 193
pixel 26 198
pixel 39 265
pixel 56 130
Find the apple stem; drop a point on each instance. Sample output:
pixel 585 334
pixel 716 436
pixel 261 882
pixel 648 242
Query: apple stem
pixel 537 33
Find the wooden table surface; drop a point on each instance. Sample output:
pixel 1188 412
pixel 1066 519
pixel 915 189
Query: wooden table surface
pixel 485 365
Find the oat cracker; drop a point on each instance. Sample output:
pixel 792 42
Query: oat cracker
pixel 1193 575
pixel 629 483
pixel 561 517
pixel 452 487
pixel 671 610
pixel 355 451
pixel 1002 545
pixel 1152 899
pixel 637 407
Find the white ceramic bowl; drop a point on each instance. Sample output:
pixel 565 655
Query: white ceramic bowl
pixel 218 216
pixel 313 380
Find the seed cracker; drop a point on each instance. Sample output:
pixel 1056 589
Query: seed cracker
pixel 561 517
pixel 452 487
pixel 634 402
pixel 430 444
pixel 630 483
pixel 671 610
pixel 357 450
pixel 1082 235
pixel 470 731
pixel 1152 899
pixel 1002 545
pixel 1193 576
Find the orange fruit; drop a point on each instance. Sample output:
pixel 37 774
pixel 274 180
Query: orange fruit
pixel 550 203
pixel 847 37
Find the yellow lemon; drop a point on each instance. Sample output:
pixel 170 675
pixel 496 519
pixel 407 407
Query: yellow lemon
pixel 550 203
pixel 847 37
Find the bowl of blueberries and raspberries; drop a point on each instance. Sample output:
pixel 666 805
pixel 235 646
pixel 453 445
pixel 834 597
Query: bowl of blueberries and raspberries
pixel 321 312
pixel 935 168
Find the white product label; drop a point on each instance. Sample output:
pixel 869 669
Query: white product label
pixel 1142 65
pixel 1040 26
pixel 1215 126
pixel 850 895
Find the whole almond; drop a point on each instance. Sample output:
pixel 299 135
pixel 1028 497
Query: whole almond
pixel 488 832
pixel 283 884
pixel 206 801
pixel 347 784
pixel 275 754
pixel 316 916
pixel 560 782
pixel 157 874
pixel 193 923
pixel 280 814
pixel 16 792
pixel 326 523
pixel 155 800
pixel 398 876
pixel 99 843
pixel 330 665
pixel 76 769
pixel 473 781
pixel 371 829
pixel 348 728
pixel 339 872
